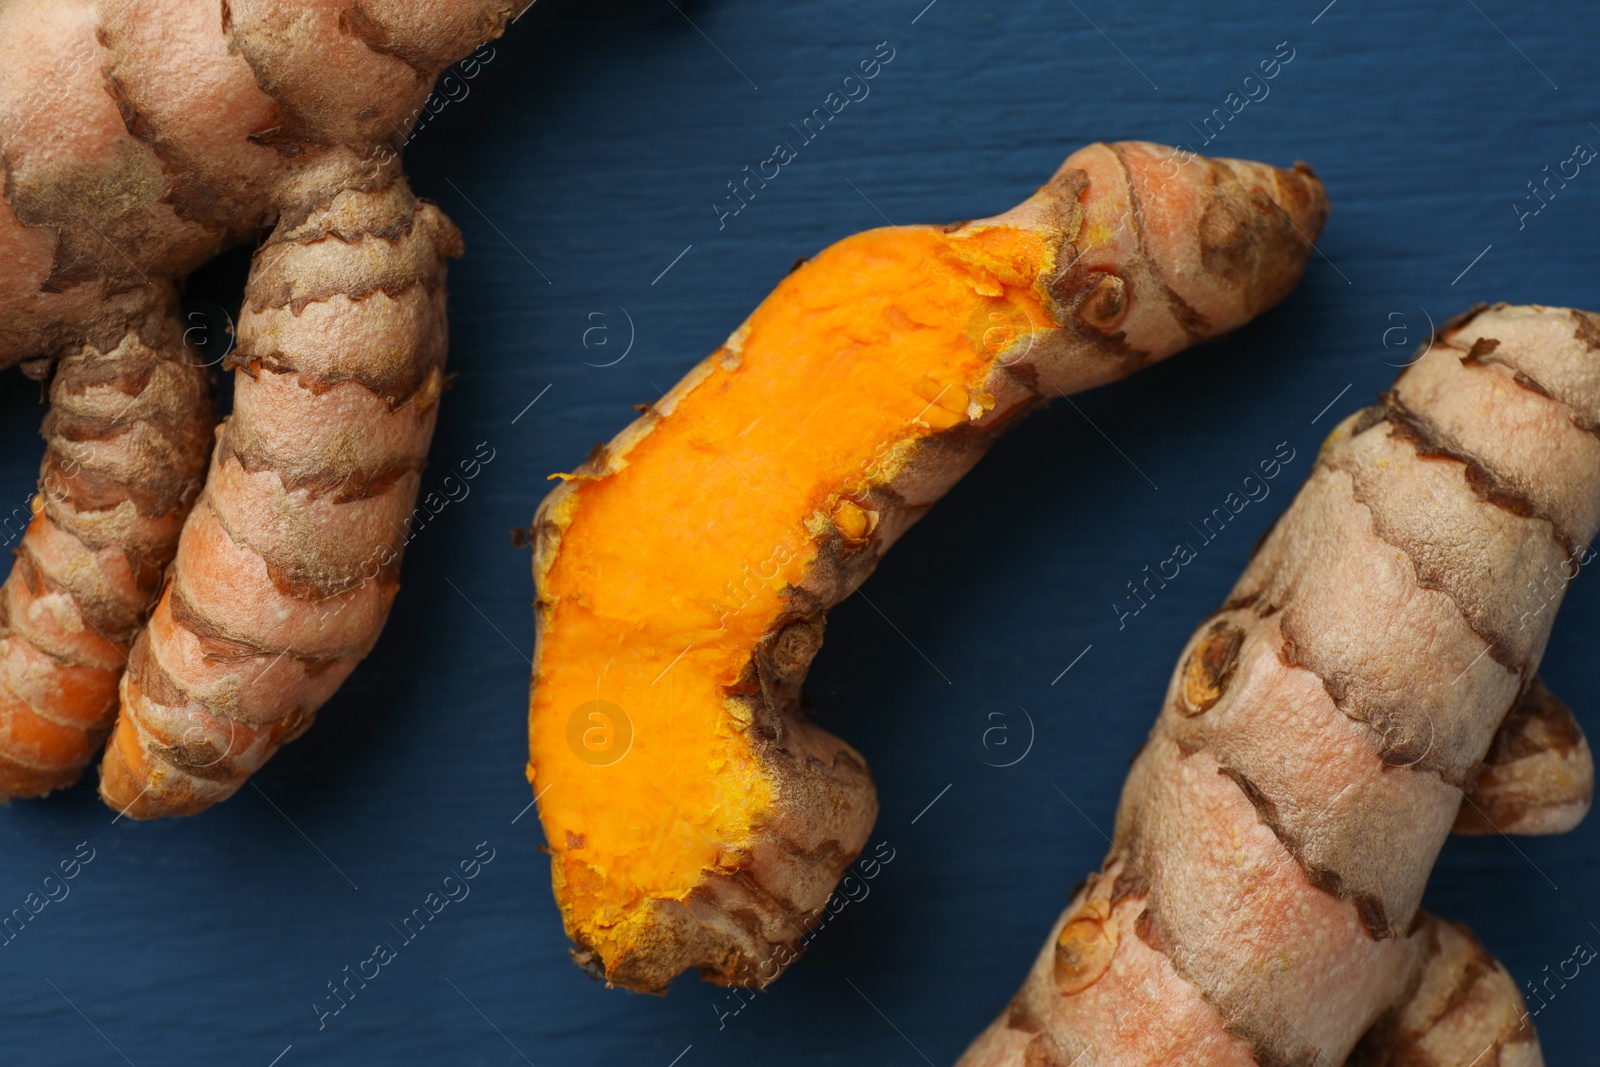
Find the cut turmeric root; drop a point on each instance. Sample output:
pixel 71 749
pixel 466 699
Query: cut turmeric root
pixel 1323 730
pixel 694 817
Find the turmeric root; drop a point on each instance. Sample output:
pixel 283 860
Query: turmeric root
pixel 1260 901
pixel 289 562
pixel 128 431
pixel 1538 777
pixel 138 140
pixel 695 818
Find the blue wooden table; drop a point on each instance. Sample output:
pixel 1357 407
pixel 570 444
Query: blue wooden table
pixel 587 163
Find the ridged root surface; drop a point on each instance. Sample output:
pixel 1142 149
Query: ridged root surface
pixel 139 138
pixel 288 565
pixel 1329 726
pixel 127 435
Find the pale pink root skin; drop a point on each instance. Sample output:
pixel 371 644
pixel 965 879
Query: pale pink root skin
pixel 140 138
pixel 1139 1011
pixel 127 437
pixel 1235 905
pixel 1144 219
pixel 1277 830
pixel 52 111
pixel 1464 1010
pixel 288 565
pixel 145 136
pixel 1539 775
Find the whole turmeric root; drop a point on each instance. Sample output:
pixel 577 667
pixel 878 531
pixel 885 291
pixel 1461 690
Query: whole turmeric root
pixel 695 818
pixel 1260 901
pixel 290 560
pixel 128 430
pixel 138 139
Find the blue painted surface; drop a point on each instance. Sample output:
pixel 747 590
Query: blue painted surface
pixel 593 146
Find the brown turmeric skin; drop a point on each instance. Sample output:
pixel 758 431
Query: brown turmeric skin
pixel 127 435
pixel 1369 685
pixel 695 818
pixel 139 138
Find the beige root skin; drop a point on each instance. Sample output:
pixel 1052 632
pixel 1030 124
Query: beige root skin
pixel 1321 728
pixel 139 138
pixel 1539 775
pixel 1464 1009
pixel 288 566
pixel 127 436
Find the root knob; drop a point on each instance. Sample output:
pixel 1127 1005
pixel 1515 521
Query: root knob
pixel 1210 668
pixel 1105 304
pixel 1085 948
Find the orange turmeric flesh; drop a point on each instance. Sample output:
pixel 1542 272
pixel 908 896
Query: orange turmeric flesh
pixel 694 817
pixel 867 344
